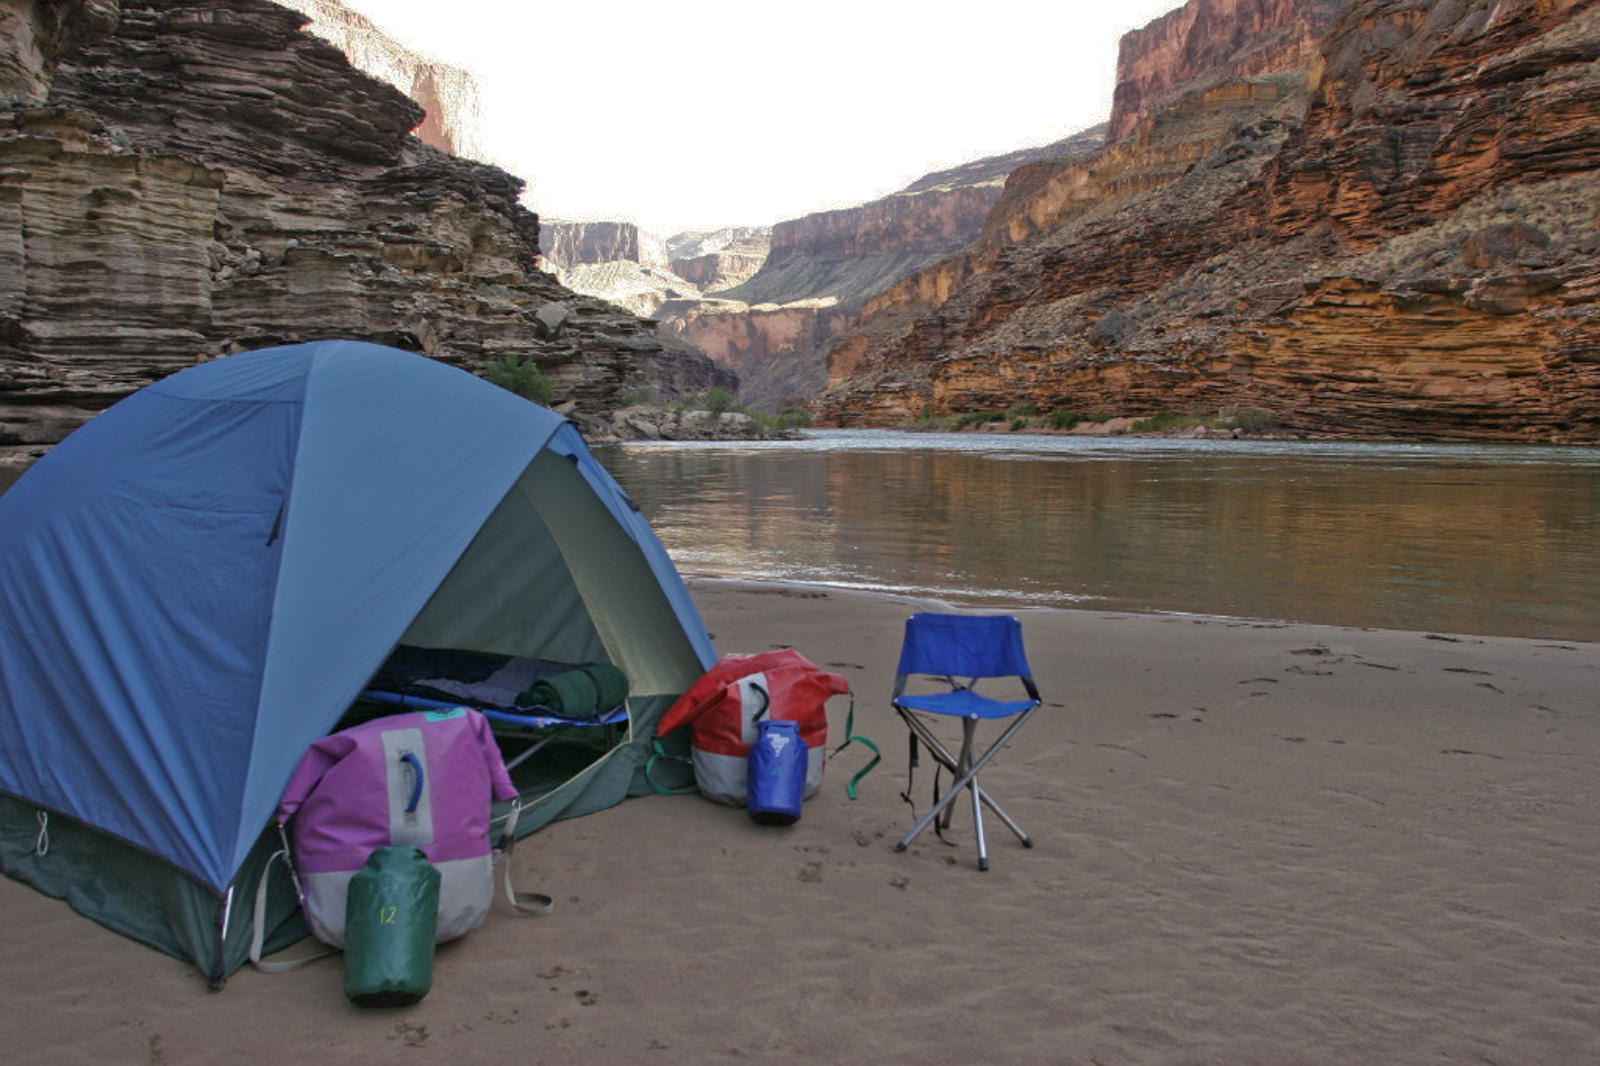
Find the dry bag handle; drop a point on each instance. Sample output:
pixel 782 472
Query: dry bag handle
pixel 766 702
pixel 411 760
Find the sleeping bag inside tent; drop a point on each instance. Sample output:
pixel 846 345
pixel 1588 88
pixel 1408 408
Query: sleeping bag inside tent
pixel 204 579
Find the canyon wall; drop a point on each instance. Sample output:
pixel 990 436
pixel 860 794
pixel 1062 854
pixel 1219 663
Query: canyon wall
pixel 570 244
pixel 447 94
pixel 196 177
pixel 1207 42
pixel 719 259
pixel 850 254
pixel 778 326
pixel 634 269
pixel 1399 239
pixel 32 35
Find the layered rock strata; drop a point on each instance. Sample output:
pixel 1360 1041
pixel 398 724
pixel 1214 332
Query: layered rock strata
pixel 777 327
pixel 447 94
pixel 565 245
pixel 1407 248
pixel 719 259
pixel 204 177
pixel 624 265
pixel 1206 43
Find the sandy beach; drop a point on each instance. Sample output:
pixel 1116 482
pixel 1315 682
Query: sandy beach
pixel 1256 842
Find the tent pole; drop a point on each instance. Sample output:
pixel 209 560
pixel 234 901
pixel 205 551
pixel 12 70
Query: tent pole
pixel 220 971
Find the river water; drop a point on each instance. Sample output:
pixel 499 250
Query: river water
pixel 1492 540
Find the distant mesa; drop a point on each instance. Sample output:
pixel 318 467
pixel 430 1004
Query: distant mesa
pixel 633 268
pixel 769 303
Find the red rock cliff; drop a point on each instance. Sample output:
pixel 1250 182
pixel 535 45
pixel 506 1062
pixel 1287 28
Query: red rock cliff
pixel 1207 42
pixel 1409 249
pixel 823 266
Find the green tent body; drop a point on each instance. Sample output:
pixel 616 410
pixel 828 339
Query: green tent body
pixel 199 583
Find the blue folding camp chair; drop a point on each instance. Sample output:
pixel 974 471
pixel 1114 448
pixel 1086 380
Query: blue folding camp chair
pixel 959 650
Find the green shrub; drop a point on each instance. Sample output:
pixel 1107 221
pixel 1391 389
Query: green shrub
pixel 522 376
pixel 1170 421
pixel 978 418
pixel 1064 419
pixel 798 419
pixel 1018 424
pixel 793 419
pixel 718 401
pixel 1023 410
pixel 1253 420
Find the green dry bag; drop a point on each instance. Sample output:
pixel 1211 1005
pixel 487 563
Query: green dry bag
pixel 391 916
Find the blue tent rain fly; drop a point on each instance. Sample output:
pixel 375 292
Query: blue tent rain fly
pixel 198 583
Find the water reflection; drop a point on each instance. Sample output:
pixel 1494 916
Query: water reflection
pixel 1468 539
pixel 1491 540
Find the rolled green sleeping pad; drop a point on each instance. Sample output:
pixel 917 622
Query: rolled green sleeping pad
pixel 581 693
pixel 391 920
pixel 571 694
pixel 610 685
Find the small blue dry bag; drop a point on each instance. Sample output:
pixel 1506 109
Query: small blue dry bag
pixel 778 762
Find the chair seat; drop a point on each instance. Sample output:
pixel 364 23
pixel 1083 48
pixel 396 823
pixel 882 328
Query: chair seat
pixel 964 703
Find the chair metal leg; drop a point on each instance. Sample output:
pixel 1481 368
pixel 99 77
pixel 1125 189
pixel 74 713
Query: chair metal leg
pixel 962 764
pixel 1027 841
pixel 977 799
pixel 966 769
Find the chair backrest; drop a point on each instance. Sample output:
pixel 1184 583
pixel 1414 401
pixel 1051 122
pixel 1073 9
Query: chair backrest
pixel 953 645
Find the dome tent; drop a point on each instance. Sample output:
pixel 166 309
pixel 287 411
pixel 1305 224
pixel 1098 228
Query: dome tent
pixel 197 584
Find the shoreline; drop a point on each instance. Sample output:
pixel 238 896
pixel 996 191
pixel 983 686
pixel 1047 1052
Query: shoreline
pixel 999 604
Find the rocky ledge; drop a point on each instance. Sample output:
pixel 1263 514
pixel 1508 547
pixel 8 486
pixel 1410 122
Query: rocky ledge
pixel 181 179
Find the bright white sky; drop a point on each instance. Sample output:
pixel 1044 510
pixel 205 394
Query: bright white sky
pixel 707 113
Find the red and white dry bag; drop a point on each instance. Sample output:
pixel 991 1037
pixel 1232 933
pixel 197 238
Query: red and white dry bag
pixel 724 707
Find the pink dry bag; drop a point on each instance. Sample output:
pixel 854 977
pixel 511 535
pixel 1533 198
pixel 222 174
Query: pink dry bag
pixel 425 779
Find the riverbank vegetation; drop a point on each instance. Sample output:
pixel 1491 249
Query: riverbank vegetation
pixel 1027 418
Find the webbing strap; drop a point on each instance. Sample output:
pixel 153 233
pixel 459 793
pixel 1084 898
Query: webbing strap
pixel 259 935
pixel 913 760
pixel 526 904
pixel 659 753
pixel 850 737
pixel 911 774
